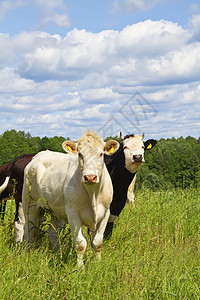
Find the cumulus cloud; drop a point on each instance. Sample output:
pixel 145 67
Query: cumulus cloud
pixel 53 85
pixel 11 82
pixel 81 53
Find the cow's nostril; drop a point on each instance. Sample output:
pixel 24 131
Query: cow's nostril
pixel 85 178
pixel 137 158
pixel 90 178
pixel 94 180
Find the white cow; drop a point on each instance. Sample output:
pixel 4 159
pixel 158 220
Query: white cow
pixel 76 187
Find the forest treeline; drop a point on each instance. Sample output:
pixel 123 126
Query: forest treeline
pixel 171 163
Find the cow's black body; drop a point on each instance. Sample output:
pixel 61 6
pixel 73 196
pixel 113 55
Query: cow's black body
pixel 15 170
pixel 121 179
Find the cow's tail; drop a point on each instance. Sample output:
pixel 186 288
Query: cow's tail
pixel 4 185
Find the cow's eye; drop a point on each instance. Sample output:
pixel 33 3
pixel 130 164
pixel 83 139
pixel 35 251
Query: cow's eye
pixel 80 155
pixel 101 154
pixel 125 147
pixel 143 147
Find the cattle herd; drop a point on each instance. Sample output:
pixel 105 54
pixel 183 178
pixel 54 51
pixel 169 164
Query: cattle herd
pixel 88 185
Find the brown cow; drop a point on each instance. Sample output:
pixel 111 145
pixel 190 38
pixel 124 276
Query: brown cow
pixel 9 173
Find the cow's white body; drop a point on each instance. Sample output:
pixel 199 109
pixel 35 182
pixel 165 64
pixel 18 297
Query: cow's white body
pixel 55 181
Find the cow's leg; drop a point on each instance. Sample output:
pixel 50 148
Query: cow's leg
pixel 53 232
pixel 19 216
pixel 31 213
pixel 19 224
pixel 109 227
pixel 31 223
pixel 30 203
pixel 108 230
pixel 131 199
pixel 130 195
pixel 97 239
pixel 18 200
pixel 79 240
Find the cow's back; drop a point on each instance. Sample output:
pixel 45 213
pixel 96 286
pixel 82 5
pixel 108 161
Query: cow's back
pixel 47 174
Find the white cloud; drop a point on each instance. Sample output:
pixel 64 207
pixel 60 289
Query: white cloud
pixel 81 53
pixel 131 6
pixel 52 12
pixel 134 6
pixel 59 86
pixel 48 11
pixel 52 4
pixel 7 5
pixel 194 8
pixel 11 82
pixel 102 95
pixel 194 25
pixel 48 17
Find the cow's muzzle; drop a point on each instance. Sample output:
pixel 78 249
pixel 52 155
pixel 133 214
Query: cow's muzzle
pixel 138 158
pixel 90 179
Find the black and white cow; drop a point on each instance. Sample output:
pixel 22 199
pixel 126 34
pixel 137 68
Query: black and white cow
pixel 122 167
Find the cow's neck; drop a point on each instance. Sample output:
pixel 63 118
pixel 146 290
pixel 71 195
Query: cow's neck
pixel 94 206
pixel 116 164
pixel 121 179
pixel 93 193
pixel 126 176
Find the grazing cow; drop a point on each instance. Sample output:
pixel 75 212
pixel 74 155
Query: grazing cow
pixel 122 167
pixel 9 172
pixel 76 187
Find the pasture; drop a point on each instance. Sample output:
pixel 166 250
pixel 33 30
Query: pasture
pixel 153 254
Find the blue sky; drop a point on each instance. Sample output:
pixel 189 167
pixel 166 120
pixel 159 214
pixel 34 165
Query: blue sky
pixel 93 15
pixel 131 65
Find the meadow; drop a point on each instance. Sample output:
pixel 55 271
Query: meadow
pixel 153 254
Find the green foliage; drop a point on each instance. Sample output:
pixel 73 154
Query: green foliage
pixel 116 138
pixel 53 144
pixel 15 143
pixel 153 254
pixel 171 163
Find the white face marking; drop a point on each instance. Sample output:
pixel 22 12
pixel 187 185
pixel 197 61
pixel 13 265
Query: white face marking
pixel 91 160
pixel 134 153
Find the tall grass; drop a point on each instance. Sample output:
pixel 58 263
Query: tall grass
pixel 153 254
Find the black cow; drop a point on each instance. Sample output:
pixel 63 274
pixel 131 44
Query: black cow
pixel 122 167
pixel 12 177
pixel 3 184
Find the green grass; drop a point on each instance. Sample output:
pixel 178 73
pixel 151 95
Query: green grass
pixel 153 254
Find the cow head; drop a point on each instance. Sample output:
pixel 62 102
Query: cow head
pixel 90 149
pixel 133 147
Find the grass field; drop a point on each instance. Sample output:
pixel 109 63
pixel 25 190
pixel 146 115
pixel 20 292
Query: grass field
pixel 153 254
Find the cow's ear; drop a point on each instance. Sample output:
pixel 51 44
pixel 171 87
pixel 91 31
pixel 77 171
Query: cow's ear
pixel 69 146
pixel 149 144
pixel 111 146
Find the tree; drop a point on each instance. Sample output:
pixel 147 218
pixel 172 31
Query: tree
pixel 173 162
